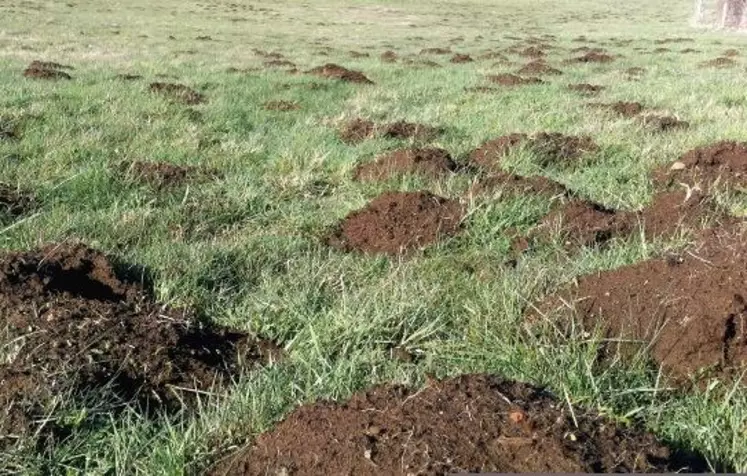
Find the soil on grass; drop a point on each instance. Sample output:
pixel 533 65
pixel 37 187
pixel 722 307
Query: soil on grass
pixel 281 106
pixel 79 322
pixel 398 222
pixel 721 62
pixel 512 184
pixel 358 54
pixel 537 68
pixel 593 57
pixel 428 162
pixel 688 310
pixel 128 77
pixel 731 53
pixel 513 80
pixel 705 167
pixel 333 71
pixel 435 51
pixel 470 423
pixel 555 149
pixel 663 123
pixel 689 50
pixel 488 156
pixel 35 71
pixel 532 52
pixel 14 202
pixel 389 56
pixel 625 109
pixel 461 58
pixel 279 63
pixel 635 72
pixel 358 130
pixel 586 89
pixel 178 92
pixel 163 175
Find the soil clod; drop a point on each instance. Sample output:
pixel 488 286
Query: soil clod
pixel 537 68
pixel 281 105
pixel 709 166
pixel 178 92
pixel 586 89
pixel 428 162
pixel 358 130
pixel 333 71
pixel 461 58
pixel 513 80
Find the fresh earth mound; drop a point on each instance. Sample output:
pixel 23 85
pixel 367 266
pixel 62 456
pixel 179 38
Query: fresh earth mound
pixel 663 123
pixel 593 57
pixel 471 423
pixel 551 148
pixel 461 58
pixel 513 80
pixel 358 130
pixel 36 64
pixel 435 51
pixel 14 203
pixel 488 156
pixel 8 130
pixel 397 222
pixel 72 322
pixel 389 56
pixel 689 309
pixel 178 92
pixel 333 71
pixel 720 63
pixel 625 109
pixel 532 52
pixel 429 162
pixel 36 71
pixel 706 167
pixel 538 67
pixel 585 88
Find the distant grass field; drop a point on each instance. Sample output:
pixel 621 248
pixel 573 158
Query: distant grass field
pixel 245 248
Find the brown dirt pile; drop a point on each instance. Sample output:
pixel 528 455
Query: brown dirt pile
pixel 281 106
pixel 513 80
pixel 333 71
pixel 178 92
pixel 43 70
pixel 435 51
pixel 74 321
pixel 661 123
pixel 488 156
pixel 471 423
pixel 389 56
pixel 429 162
pixel 551 148
pixel 538 67
pixel 532 52
pixel 397 222
pixel 708 166
pixel 585 88
pixel 690 309
pixel 593 57
pixel 461 58
pixel 279 63
pixel 625 109
pixel 358 130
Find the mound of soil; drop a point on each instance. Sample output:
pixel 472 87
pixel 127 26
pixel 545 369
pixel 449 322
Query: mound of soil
pixel 178 92
pixel 532 52
pixel 128 77
pixel 471 423
pixel 279 63
pixel 664 41
pixel 36 64
pixel 664 123
pixel 585 88
pixel 635 71
pixel 435 51
pixel 281 106
pixel 389 56
pixel 594 57
pixel 625 109
pixel 661 50
pixel 706 167
pixel 429 162
pixel 688 309
pixel 513 80
pixel 538 67
pixel 512 184
pixel 397 222
pixel 493 55
pixel 488 156
pixel 461 58
pixel 553 148
pixel 39 72
pixel 163 175
pixel 333 71
pixel 75 322
pixel 14 202
pixel 689 50
pixel 358 130
pixel 720 63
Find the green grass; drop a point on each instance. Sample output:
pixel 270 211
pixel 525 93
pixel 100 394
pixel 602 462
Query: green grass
pixel 245 249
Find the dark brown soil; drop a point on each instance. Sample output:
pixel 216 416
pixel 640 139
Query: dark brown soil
pixel 178 92
pixel 397 222
pixel 435 51
pixel 585 88
pixel 689 309
pixel 48 65
pixel 625 109
pixel 555 149
pixel 721 163
pixel 79 323
pixel 204 38
pixel 488 156
pixel 538 67
pixel 471 423
pixel 333 71
pixel 664 123
pixel 461 58
pixel 163 175
pixel 720 63
pixel 281 106
pixel 593 57
pixel 512 184
pixel 45 73
pixel 14 202
pixel 279 63
pixel 429 162
pixel 358 130
pixel 128 77
pixel 689 50
pixel 513 80
pixel 389 56
pixel 533 52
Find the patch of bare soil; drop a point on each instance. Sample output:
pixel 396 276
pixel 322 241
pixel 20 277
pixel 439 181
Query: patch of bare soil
pixel 661 123
pixel 428 162
pixel 163 175
pixel 555 149
pixel 664 41
pixel 358 130
pixel 661 50
pixel 461 58
pixel 513 80
pixel 471 423
pixel 358 54
pixel 397 222
pixel 281 106
pixel 389 56
pixel 720 62
pixel 537 68
pixel 435 51
pixel 489 155
pixel 493 55
pixel 625 109
pixel 36 64
pixel 512 184
pixel 14 202
pixel 333 71
pixel 42 70
pixel 267 54
pixel 178 92
pixel 593 57
pixel 77 321
pixel 279 63
pixel 586 89
pixel 689 50
pixel 689 310
pixel 707 167
pixel 635 72
pixel 532 52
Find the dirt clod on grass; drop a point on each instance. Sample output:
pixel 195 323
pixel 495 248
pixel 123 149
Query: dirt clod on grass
pixel 162 175
pixel 586 89
pixel 532 52
pixel 333 71
pixel 513 80
pixel 178 92
pixel 470 423
pixel 358 54
pixel 279 63
pixel 723 163
pixel 78 321
pixel 537 68
pixel 281 105
pixel 661 123
pixel 389 56
pixel 14 202
pixel 512 184
pixel 688 308
pixel 461 58
pixel 593 57
pixel 721 62
pixel 39 72
pixel 358 130
pixel 428 162
pixel 36 64
pixel 128 77
pixel 435 51
pixel 398 222
pixel 488 156
pixel 551 149
pixel 623 108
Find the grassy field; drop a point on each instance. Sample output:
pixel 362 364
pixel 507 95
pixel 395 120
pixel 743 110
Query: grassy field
pixel 245 248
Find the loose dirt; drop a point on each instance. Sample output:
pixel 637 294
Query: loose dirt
pixel 128 77
pixel 178 92
pixel 398 222
pixel 593 57
pixel 281 106
pixel 551 149
pixel 533 52
pixel 635 72
pixel 723 163
pixel 358 130
pixel 435 51
pixel 586 89
pixel 279 63
pixel 537 68
pixel 162 175
pixel 471 423
pixel 512 184
pixel 663 123
pixel 625 109
pixel 489 155
pixel 77 321
pixel 720 63
pixel 690 308
pixel 731 53
pixel 358 54
pixel 389 57
pixel 428 162
pixel 333 71
pixel 48 65
pixel 461 58
pixel 14 202
pixel 513 80
pixel 37 72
